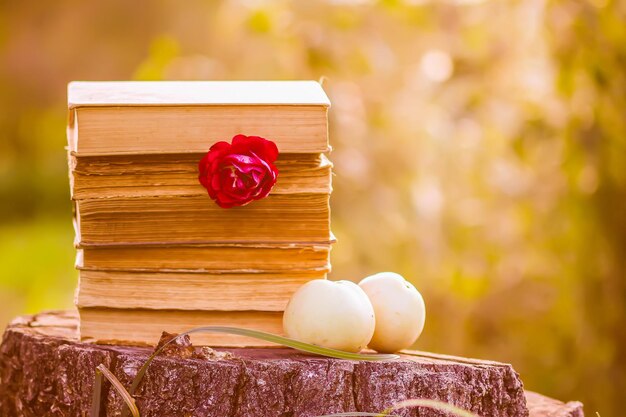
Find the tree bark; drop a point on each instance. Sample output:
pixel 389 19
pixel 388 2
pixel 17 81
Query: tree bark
pixel 46 371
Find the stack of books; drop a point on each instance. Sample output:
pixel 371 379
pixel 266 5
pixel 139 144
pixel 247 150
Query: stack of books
pixel 154 252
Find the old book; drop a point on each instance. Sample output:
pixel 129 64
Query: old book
pixel 156 175
pixel 191 291
pixel 205 258
pixel 295 218
pixel 187 117
pixel 144 327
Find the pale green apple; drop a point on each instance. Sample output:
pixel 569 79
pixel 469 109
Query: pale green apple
pixel 399 309
pixel 332 314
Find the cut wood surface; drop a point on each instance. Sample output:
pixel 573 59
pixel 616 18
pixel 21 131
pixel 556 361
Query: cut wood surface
pixel 46 371
pixel 541 406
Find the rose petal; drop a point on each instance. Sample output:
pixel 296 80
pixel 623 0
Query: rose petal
pixel 264 148
pixel 220 146
pixel 237 173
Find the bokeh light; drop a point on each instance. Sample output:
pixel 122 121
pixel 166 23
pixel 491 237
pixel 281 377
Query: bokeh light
pixel 479 147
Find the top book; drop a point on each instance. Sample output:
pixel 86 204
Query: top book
pixel 109 118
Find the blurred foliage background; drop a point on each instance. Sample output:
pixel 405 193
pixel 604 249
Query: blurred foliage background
pixel 480 150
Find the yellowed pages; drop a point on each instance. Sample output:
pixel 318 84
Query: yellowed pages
pixel 191 291
pixel 144 327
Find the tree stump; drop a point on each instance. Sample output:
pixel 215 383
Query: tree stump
pixel 45 370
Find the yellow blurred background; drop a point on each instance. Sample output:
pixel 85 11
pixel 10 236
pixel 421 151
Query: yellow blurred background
pixel 480 150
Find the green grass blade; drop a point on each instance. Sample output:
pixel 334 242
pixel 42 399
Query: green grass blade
pixel 128 399
pixel 304 347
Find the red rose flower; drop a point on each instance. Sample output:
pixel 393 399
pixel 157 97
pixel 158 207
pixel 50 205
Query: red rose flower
pixel 237 173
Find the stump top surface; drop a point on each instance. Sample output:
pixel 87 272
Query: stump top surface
pixel 44 366
pixel 64 325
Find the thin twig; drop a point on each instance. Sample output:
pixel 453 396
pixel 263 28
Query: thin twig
pixel 437 405
pixel 128 399
pixel 96 395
